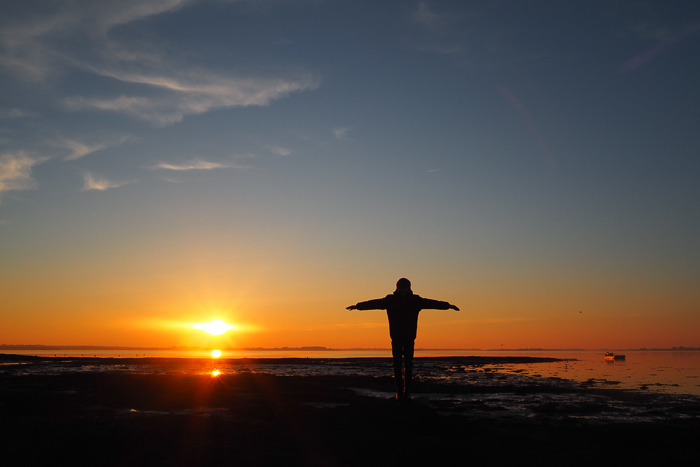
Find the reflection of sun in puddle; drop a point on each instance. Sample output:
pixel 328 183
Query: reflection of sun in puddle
pixel 215 373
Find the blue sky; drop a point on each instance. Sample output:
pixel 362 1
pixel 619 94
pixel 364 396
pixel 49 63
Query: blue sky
pixel 511 155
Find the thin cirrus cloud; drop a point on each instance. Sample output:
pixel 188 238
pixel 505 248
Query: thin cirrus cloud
pixel 197 164
pixel 16 171
pixel 147 82
pixel 341 133
pixel 16 113
pixel 430 19
pixel 664 44
pixel 172 98
pixel 77 149
pixel 29 46
pixel 96 183
pixel 156 88
pixel 280 151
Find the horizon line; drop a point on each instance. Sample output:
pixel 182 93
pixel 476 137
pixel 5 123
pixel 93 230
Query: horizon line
pixel 316 348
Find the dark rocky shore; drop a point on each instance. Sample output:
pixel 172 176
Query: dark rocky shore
pixel 130 419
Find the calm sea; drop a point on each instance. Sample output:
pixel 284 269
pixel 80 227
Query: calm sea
pixel 676 372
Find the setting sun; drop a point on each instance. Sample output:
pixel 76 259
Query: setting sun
pixel 216 353
pixel 215 327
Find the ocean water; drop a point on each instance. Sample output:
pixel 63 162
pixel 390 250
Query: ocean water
pixel 671 372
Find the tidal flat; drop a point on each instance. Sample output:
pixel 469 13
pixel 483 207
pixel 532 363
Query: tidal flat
pixel 182 412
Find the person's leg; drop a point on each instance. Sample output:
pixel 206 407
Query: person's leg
pixel 408 363
pixel 396 351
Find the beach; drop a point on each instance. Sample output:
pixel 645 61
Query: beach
pixel 171 415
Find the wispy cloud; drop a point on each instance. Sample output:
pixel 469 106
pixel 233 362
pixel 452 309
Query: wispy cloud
pixel 77 149
pixel 429 18
pixel 341 133
pixel 198 164
pixel 16 113
pixel 176 97
pixel 665 43
pixel 158 88
pixel 16 171
pixel 280 151
pixel 94 182
pixel 31 45
pixel 146 81
pixel 473 35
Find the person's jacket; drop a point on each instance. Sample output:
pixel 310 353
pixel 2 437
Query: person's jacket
pixel 402 311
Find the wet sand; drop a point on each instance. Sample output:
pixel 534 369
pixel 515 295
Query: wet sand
pixel 131 419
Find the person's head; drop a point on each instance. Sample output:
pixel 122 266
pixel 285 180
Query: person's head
pixel 403 286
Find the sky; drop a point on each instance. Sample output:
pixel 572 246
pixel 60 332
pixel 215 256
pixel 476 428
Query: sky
pixel 269 163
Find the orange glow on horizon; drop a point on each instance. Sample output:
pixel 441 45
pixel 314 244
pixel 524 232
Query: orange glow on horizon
pixel 317 317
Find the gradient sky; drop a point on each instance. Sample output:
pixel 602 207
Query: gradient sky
pixel 269 163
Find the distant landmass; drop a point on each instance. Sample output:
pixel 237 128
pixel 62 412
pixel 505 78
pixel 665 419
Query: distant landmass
pixel 5 347
pixel 117 347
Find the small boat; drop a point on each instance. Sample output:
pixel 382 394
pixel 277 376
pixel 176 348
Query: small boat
pixel 612 356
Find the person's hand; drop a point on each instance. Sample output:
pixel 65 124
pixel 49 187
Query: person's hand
pixel 452 307
pixel 351 307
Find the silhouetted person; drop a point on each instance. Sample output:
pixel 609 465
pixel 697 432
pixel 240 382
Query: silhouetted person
pixel 402 308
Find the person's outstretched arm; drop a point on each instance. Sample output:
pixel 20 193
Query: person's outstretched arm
pixel 428 304
pixel 376 304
